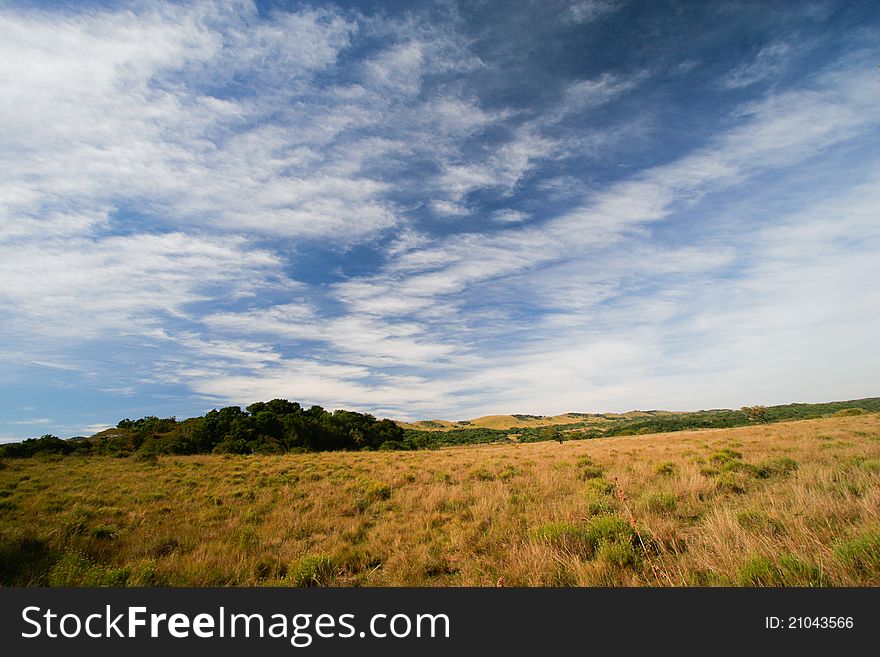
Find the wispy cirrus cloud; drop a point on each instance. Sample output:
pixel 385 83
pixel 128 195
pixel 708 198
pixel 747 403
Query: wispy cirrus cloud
pixel 441 211
pixel 769 62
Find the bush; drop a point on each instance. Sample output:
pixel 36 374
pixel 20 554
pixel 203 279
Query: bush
pixel 598 486
pixel 725 455
pixel 566 536
pixel 371 491
pixel 106 532
pixel 587 469
pixel 778 467
pixel 789 571
pixel 607 537
pixel 508 472
pixel 610 529
pixel 311 570
pixel 601 506
pixel 730 482
pixel 443 478
pixel 622 555
pixel 376 491
pixel 666 468
pixel 75 569
pixel 663 503
pixel 481 474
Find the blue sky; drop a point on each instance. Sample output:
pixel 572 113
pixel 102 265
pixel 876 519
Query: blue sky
pixel 435 209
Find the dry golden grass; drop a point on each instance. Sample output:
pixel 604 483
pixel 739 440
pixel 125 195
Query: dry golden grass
pixel 785 504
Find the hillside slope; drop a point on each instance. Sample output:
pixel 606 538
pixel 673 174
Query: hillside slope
pixel 505 422
pixel 792 503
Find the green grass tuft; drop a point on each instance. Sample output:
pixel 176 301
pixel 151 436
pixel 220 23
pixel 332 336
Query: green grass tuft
pixel 311 570
pixel 788 570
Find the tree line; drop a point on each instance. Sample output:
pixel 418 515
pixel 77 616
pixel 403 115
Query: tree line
pixel 272 427
pixel 280 426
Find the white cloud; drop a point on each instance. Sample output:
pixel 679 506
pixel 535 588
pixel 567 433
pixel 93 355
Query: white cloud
pixel 397 70
pixel 244 145
pixel 118 101
pixel 449 209
pixel 92 429
pixel 34 421
pixel 501 170
pixel 509 216
pixel 768 63
pixel 588 94
pixel 586 11
pixel 83 288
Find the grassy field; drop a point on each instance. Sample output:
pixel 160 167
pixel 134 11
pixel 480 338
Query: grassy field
pixel 493 422
pixel 501 422
pixel 794 503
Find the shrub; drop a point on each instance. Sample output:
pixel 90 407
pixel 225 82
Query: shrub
pixel 610 529
pixel 106 532
pixel 601 506
pixel 755 413
pixel 481 474
pixel 443 478
pixel 75 569
pixel 850 411
pixel 788 571
pixel 622 555
pixel 587 469
pixel 566 536
pixel 370 492
pixel 666 468
pixel 508 473
pixel 781 466
pixel 376 491
pixel 722 456
pixel 311 570
pixel 730 482
pixel 739 466
pixel 608 537
pixel 599 486
pixel 663 503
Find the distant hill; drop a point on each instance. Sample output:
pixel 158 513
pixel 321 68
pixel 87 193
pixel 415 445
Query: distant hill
pixel 572 426
pixel 280 426
pixel 523 421
pixel 493 422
